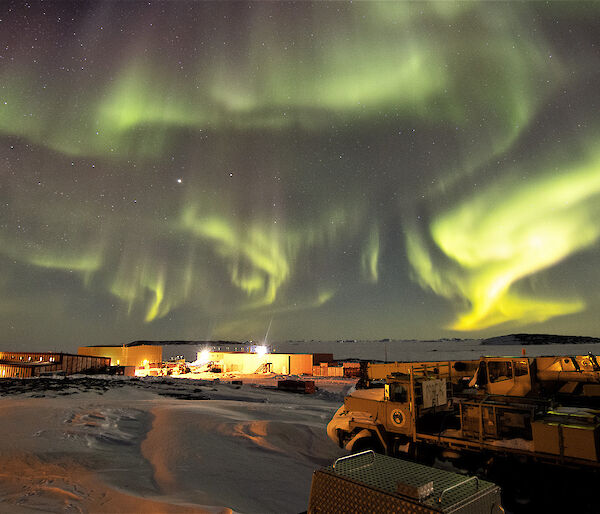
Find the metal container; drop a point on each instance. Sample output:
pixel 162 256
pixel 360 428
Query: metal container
pixel 367 482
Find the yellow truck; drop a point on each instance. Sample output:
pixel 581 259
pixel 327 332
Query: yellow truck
pixel 542 409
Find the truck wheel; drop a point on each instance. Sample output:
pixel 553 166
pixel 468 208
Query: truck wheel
pixel 368 443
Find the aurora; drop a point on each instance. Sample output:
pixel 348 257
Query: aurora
pixel 332 170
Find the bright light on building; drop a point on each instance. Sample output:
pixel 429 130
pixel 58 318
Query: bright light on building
pixel 203 357
pixel 145 363
pixel 261 350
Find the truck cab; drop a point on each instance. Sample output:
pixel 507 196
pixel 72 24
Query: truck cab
pixel 371 418
pixel 506 376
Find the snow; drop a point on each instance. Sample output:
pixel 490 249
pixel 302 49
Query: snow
pixel 467 349
pixel 136 448
pixel 159 444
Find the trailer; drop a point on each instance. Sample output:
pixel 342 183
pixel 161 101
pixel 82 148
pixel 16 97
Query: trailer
pixel 297 386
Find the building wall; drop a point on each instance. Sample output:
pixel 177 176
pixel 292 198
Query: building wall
pixel 78 363
pixel 29 364
pixel 187 351
pixel 115 353
pixel 15 371
pixel 136 355
pixel 318 358
pixel 301 364
pixel 248 363
pixel 328 371
pixel 125 355
pixel 30 356
pixel 190 351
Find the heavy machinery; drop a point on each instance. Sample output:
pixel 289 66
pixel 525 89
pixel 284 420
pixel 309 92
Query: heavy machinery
pixel 534 409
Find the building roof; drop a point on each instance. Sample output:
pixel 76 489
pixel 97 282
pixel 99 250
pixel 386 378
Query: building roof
pixel 44 353
pixel 167 343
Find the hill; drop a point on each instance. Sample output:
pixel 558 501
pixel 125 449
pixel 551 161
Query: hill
pixel 538 339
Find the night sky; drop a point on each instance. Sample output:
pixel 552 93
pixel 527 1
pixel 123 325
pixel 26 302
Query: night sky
pixel 207 170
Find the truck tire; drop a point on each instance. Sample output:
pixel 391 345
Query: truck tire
pixel 368 443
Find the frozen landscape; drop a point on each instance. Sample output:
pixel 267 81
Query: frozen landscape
pixel 119 445
pixel 128 445
pixel 309 176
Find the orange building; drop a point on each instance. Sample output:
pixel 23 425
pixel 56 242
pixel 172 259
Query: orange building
pixel 125 355
pixel 33 364
pixel 248 363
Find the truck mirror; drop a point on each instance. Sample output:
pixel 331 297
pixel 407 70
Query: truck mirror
pixel 481 375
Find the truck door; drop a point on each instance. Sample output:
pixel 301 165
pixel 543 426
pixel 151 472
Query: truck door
pixel 397 408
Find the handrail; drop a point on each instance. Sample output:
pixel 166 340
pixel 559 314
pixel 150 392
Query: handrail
pixel 355 455
pixel 457 485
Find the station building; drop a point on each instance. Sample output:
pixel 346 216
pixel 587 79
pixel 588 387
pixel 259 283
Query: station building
pixel 126 355
pixel 34 364
pixel 248 363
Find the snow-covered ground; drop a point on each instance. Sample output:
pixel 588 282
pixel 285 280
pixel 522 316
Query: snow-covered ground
pixel 167 445
pixel 122 445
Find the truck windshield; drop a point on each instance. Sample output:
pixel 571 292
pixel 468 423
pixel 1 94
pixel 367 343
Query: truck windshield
pixel 520 368
pixel 499 371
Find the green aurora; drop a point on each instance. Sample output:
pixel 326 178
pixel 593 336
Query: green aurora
pixel 366 170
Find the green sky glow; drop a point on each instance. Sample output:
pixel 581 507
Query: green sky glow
pixel 508 232
pixel 177 170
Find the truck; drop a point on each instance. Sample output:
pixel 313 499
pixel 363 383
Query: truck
pixel 494 410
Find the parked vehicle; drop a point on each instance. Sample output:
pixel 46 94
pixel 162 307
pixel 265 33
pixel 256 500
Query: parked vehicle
pixel 539 409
